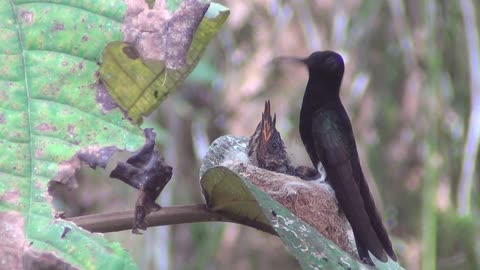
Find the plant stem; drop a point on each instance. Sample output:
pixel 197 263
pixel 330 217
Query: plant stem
pixel 433 158
pixel 473 135
pixel 429 211
pixel 120 221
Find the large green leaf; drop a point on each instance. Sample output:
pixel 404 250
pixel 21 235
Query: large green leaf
pixel 52 107
pixel 228 193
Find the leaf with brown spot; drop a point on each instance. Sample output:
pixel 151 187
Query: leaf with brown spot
pixel 56 116
pixel 159 51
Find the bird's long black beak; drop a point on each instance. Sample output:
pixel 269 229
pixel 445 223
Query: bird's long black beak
pixel 278 60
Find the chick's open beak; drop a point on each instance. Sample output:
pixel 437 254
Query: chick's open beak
pixel 268 124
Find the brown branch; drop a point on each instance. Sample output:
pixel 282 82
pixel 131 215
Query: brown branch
pixel 120 221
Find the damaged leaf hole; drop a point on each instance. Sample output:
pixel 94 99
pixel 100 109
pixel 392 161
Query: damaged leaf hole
pixel 75 176
pixel 144 170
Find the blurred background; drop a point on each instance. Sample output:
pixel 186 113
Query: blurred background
pixel 411 88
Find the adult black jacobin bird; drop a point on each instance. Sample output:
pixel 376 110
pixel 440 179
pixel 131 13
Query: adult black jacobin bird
pixel 328 137
pixel 266 149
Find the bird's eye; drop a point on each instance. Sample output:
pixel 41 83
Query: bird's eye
pixel 274 147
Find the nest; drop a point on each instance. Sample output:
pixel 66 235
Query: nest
pixel 312 201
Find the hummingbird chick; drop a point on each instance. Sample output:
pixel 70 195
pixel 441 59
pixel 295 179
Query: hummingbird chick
pixel 266 149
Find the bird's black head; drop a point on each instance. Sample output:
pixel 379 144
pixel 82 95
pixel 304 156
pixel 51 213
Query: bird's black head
pixel 266 148
pixel 325 69
pixel 325 63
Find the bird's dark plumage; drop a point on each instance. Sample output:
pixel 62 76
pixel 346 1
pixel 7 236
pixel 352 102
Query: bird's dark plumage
pixel 328 137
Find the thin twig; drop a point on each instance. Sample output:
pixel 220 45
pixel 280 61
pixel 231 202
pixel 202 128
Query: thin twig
pixel 120 221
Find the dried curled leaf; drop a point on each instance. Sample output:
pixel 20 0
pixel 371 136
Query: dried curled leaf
pixel 147 171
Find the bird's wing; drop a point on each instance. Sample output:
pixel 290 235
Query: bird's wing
pixel 307 136
pixel 333 146
pixel 372 211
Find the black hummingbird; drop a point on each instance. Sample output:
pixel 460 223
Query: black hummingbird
pixel 267 150
pixel 328 137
